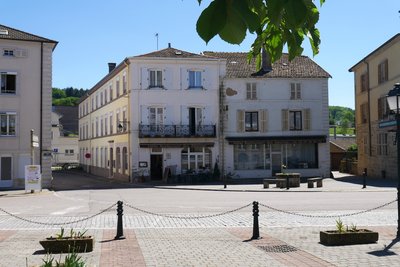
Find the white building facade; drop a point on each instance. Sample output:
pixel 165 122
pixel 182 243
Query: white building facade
pixel 175 112
pixel 277 121
pixel 65 150
pixel 25 105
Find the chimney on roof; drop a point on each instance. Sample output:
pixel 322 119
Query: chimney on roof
pixel 111 66
pixel 266 65
pixel 169 45
pixel 265 61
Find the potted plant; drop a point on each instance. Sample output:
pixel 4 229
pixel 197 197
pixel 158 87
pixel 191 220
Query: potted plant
pixel 345 235
pixel 62 243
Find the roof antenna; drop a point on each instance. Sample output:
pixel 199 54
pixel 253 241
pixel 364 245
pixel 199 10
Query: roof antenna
pixel 157 40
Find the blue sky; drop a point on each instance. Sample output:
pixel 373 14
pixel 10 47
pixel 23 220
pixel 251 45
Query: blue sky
pixel 92 33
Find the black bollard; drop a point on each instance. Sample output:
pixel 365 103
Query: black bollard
pixel 256 231
pixel 120 229
pixel 287 182
pixel 365 178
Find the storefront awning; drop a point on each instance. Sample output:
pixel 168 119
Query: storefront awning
pixel 294 139
pixel 166 145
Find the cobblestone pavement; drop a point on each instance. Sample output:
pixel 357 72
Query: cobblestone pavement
pixel 202 239
pixel 296 246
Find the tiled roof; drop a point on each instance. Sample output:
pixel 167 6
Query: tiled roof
pixel 171 52
pixel 14 34
pixel 300 67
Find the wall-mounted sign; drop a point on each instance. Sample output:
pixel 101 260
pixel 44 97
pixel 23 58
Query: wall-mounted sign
pixel 143 164
pixel 87 155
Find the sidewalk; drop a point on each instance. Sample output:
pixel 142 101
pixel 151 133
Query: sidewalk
pixel 169 242
pixel 210 247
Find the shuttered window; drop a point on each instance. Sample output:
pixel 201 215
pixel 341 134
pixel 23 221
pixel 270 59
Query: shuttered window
pixel 383 72
pixel 364 80
pixel 295 91
pixel 251 91
pixel 284 117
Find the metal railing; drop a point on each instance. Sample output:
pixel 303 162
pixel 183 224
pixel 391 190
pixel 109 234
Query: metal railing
pixel 146 130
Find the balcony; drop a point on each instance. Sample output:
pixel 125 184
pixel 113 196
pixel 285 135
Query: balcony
pixel 158 131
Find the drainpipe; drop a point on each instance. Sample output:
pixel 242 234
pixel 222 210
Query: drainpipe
pixel 41 107
pixel 369 112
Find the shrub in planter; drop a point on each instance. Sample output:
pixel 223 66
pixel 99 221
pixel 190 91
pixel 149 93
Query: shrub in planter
pixel 347 236
pixel 61 243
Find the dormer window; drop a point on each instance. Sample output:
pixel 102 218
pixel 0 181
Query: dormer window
pixel 155 78
pixel 195 79
pixel 8 52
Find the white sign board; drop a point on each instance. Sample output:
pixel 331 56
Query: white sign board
pixel 33 178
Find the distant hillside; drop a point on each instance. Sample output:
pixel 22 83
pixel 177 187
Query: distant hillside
pixel 342 117
pixel 68 96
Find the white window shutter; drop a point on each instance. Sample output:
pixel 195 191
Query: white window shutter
pixel 240 120
pixel 292 91
pixel 307 119
pixel 298 92
pixel 285 126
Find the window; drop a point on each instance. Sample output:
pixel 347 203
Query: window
pixel 195 79
pixel 364 113
pixel 383 72
pixel 383 109
pixel 251 121
pixel 8 83
pixel 155 78
pixel 382 144
pixel 251 157
pixel 124 84
pixel 7 124
pixel 295 120
pixel 295 91
pixel 111 124
pixel 8 52
pixel 251 91
pixel 117 87
pixel 69 152
pixel 156 116
pixel 364 82
pixel 195 159
pixel 111 91
pixel 301 156
pixel 105 125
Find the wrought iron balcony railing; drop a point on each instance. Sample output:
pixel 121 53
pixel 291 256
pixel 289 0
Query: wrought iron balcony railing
pixel 176 131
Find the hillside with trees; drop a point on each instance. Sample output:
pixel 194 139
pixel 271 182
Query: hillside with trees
pixel 68 96
pixel 343 118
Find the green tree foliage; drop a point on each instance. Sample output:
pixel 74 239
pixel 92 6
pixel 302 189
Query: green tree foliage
pixel 341 116
pixel 275 23
pixel 58 93
pixel 68 96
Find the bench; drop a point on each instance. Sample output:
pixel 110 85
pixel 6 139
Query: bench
pixel 281 183
pixel 311 181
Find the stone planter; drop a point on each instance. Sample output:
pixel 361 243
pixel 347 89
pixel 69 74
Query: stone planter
pixel 294 178
pixel 67 244
pixel 361 236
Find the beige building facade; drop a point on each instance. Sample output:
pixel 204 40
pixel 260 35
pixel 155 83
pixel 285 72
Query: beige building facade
pixel 25 104
pixel 374 76
pixel 104 128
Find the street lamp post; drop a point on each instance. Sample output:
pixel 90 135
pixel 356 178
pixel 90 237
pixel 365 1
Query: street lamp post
pixel 393 99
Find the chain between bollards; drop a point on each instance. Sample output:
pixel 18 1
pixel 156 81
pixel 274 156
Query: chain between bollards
pixel 256 231
pixel 120 229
